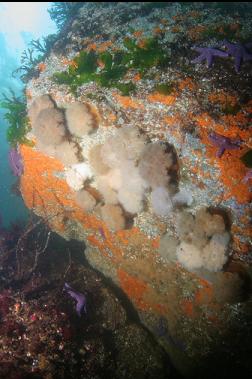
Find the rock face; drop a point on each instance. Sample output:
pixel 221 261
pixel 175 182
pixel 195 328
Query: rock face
pixel 165 107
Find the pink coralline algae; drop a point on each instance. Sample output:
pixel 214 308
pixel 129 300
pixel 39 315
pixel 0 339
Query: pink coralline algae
pixel 223 143
pixel 15 161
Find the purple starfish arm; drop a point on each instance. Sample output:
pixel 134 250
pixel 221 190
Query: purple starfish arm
pixel 220 152
pixel 238 60
pixel 15 161
pixel 224 143
pixel 207 53
pixel 239 52
pixel 209 59
pixel 247 176
pixel 79 297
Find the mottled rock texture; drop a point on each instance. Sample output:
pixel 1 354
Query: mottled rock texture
pixel 177 105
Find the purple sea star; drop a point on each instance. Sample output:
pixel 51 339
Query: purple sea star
pixel 208 53
pixel 239 52
pixel 79 297
pixel 224 143
pixel 15 161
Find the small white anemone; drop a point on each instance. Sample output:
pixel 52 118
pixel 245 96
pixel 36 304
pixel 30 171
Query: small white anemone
pixel 77 174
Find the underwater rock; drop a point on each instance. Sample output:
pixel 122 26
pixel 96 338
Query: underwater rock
pixel 138 185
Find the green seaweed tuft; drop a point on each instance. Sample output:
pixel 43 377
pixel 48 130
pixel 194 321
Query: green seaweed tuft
pixel 231 109
pixel 164 88
pixel 16 118
pixel 86 66
pixel 247 159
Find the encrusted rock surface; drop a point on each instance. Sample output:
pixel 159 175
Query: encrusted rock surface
pixel 184 310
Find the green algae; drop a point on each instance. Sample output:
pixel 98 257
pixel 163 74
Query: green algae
pixel 164 88
pixel 247 159
pixel 143 58
pixel 231 109
pixel 87 66
pixel 18 122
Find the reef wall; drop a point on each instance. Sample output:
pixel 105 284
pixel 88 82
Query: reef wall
pixel 140 153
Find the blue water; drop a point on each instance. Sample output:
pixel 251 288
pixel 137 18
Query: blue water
pixel 12 207
pixel 14 38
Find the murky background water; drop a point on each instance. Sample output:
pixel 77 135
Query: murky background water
pixel 19 24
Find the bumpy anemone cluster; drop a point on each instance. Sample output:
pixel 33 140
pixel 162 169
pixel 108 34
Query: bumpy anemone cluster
pixel 201 243
pixel 55 136
pixel 123 169
pixel 80 119
pixel 127 167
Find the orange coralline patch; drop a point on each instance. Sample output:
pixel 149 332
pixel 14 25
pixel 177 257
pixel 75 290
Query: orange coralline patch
pixel 160 98
pixel 243 229
pixel 178 17
pixel 232 123
pixel 137 77
pixel 42 190
pixel 204 294
pixel 122 234
pixel 41 67
pixel 228 128
pixel 135 230
pixel 102 47
pixel 163 21
pixel 67 62
pixel 232 169
pixel 138 33
pixel 197 152
pixel 157 30
pixel 174 120
pixel 73 64
pixel 187 307
pixel 59 226
pixel 112 117
pixel 195 32
pixel 176 29
pixel 50 196
pixel 173 125
pixel 155 243
pixel 91 46
pixel 134 288
pixel 94 241
pixel 141 43
pixel 187 83
pixel 223 98
pixel 162 309
pixel 198 172
pixel 107 242
pixel 242 247
pixel 128 102
pixel 28 94
pixel 193 14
